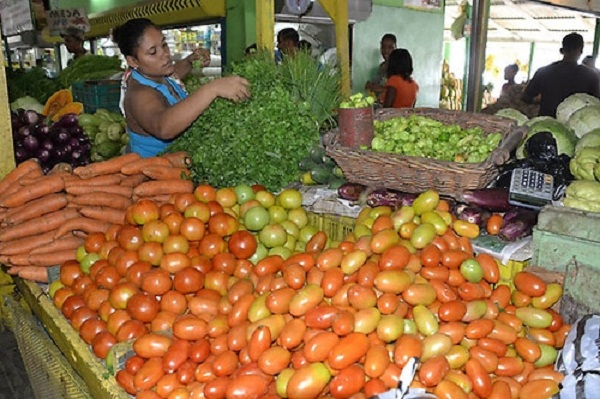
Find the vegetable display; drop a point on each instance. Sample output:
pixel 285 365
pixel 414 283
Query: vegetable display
pixel 262 139
pixel 211 313
pixel 425 137
pixel 318 168
pixel 51 143
pixel 89 67
pixel 44 218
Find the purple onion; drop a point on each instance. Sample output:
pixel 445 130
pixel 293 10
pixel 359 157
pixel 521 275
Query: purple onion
pixel 31 143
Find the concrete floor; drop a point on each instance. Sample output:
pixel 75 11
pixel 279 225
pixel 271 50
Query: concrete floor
pixel 14 381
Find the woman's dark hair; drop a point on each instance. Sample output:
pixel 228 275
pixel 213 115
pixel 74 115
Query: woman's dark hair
pixel 400 63
pixel 127 36
pixel 388 36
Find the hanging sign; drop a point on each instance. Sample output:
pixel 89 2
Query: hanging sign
pixel 61 19
pixel 16 17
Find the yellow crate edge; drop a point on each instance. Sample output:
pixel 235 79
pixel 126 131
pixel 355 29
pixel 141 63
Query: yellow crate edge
pixel 101 383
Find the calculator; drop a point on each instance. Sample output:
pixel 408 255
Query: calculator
pixel 530 188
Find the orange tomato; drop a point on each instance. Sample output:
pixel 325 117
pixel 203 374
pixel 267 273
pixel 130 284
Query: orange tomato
pixel 501 296
pixel 509 366
pixel 443 291
pixel 452 310
pixel 465 229
pixel 488 359
pixel 453 258
pixel 491 272
pixel 348 350
pixel 453 329
pixel 407 346
pixel 396 257
pixel 540 389
pixel 530 284
pixel 431 256
pixel 493 345
pixel 494 223
pixel 500 390
pixel 479 328
pixel 482 383
pixel 520 299
pixel 527 349
pixel 433 371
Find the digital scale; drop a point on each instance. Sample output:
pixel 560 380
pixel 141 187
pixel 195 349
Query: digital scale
pixel 530 188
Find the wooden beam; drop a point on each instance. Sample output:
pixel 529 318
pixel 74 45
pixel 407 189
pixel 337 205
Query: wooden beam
pixel 338 12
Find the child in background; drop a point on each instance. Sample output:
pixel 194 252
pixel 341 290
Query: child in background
pixel 400 90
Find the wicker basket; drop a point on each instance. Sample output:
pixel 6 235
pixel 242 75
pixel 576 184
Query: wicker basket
pixel 417 174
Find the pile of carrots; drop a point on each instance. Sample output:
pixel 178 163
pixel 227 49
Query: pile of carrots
pixel 44 218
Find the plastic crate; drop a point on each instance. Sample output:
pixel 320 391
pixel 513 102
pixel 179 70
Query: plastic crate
pixel 336 227
pixel 96 94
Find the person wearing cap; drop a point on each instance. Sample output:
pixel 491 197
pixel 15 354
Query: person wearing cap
pixel 73 38
pixel 557 81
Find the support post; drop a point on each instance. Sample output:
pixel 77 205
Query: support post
pixel 479 18
pixel 338 12
pixel 7 161
pixel 265 25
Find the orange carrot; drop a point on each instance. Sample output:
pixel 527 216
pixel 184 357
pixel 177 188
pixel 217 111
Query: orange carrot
pixel 136 167
pixel 43 224
pixel 31 177
pixel 34 273
pixel 112 215
pixel 112 189
pixel 17 260
pixel 47 185
pixel 162 199
pixel 159 187
pixel 52 258
pixel 61 244
pixel 116 201
pixel 179 159
pixel 107 167
pixel 27 244
pixel 14 270
pixel 134 180
pixel 35 208
pixel 82 223
pixel 159 172
pixel 102 180
pixel 21 170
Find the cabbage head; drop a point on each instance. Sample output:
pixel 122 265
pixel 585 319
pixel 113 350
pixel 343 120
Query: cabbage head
pixel 584 120
pixel 513 114
pixel 537 119
pixel 591 139
pixel 573 103
pixel 565 138
pixel 27 103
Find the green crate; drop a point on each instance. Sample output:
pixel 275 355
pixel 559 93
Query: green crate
pixel 96 94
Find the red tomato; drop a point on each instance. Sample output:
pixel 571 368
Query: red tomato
pixel 347 382
pixel 482 383
pixel 433 370
pixel 530 284
pixel 348 350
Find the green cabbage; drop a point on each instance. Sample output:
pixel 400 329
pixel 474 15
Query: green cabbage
pixel 585 120
pixel 573 103
pixel 565 138
pixel 591 139
pixel 27 102
pixel 513 114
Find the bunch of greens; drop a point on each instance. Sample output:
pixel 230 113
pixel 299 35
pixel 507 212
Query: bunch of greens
pixel 89 67
pixel 421 136
pixel 33 83
pixel 262 139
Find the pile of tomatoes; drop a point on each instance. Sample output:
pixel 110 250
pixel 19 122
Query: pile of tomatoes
pixel 210 318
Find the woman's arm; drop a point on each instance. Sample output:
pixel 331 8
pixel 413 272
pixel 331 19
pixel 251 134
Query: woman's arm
pixel 390 96
pixel 184 66
pixel 150 110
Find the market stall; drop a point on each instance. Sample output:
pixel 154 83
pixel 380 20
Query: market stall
pixel 280 250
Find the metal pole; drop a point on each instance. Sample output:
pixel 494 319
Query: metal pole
pixel 479 18
pixel 596 39
pixel 531 52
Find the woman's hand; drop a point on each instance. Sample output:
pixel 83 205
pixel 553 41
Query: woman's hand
pixel 234 88
pixel 200 54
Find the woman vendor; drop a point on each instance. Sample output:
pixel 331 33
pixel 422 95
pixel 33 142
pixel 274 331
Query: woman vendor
pixel 157 109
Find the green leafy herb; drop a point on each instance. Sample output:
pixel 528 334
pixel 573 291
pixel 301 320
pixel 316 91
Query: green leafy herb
pixel 89 67
pixel 262 139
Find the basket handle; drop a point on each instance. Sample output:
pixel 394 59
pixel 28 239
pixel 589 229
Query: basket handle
pixel 502 154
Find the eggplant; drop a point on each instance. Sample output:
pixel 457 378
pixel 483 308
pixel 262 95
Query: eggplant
pixel 25 131
pixel 15 121
pixel 30 117
pixel 21 154
pixel 31 143
pixel 68 121
pixel 493 199
pixel 41 131
pixel 393 199
pixel 351 191
pixel 472 214
pixel 518 223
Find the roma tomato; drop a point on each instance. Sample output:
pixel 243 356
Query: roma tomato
pixel 530 284
pixel 347 382
pixel 433 371
pixel 348 350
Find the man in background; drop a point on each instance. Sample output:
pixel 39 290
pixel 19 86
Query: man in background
pixel 73 38
pixel 557 81
pixel 386 46
pixel 288 40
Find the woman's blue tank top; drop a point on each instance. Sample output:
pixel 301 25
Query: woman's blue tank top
pixel 148 146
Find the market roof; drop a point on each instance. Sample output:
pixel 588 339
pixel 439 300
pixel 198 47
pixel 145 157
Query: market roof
pixel 528 21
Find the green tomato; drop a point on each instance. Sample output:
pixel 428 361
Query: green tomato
pixel 471 270
pixel 256 218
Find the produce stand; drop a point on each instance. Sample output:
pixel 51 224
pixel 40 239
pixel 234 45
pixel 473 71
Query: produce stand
pixel 58 362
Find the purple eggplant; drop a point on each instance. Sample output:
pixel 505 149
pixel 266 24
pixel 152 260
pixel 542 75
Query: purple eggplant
pixel 30 117
pixel 351 191
pixel 393 199
pixel 493 199
pixel 518 223
pixel 472 214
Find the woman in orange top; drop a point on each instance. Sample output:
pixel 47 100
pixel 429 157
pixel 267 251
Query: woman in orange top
pixel 400 88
